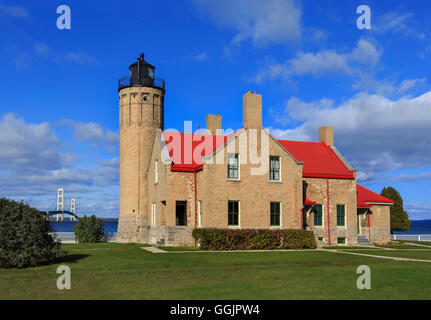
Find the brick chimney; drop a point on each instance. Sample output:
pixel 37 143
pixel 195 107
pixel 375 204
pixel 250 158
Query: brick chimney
pixel 326 134
pixel 213 123
pixel 252 110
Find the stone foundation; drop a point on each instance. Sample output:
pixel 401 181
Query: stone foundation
pixel 169 235
pixel 130 228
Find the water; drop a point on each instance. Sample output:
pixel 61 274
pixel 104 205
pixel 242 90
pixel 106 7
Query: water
pixel 110 226
pixel 418 227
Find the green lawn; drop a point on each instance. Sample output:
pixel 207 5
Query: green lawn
pixel 125 271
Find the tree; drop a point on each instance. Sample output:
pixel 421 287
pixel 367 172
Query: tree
pixel 89 229
pixel 399 218
pixel 25 239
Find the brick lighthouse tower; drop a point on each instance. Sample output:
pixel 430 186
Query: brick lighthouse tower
pixel 141 96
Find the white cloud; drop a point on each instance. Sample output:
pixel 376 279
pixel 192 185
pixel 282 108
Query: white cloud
pixel 360 61
pixel 13 11
pixel 397 23
pixel 28 146
pixel 79 57
pixel 270 21
pixel 201 56
pixel 94 133
pixel 33 164
pixel 374 133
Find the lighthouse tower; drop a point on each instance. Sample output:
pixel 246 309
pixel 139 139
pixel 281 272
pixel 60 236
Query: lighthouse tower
pixel 141 96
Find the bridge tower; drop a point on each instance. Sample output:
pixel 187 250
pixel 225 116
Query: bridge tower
pixel 72 208
pixel 141 100
pixel 60 202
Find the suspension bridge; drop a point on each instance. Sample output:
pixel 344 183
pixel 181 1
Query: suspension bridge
pixel 60 212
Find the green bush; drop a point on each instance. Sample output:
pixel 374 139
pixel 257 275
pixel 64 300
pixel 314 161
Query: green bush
pixel 89 229
pixel 253 239
pixel 24 236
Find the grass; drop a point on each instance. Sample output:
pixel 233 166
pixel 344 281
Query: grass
pixel 125 271
pixel 412 253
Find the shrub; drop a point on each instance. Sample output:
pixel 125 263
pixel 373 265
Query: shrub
pixel 89 229
pixel 24 236
pixel 250 239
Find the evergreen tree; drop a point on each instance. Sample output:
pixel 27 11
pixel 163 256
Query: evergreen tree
pixel 399 218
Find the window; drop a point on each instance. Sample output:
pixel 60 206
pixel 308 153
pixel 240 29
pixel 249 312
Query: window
pixel 233 166
pixel 233 213
pixel 320 238
pixel 275 214
pixel 341 219
pixel 318 215
pixel 341 240
pixel 153 214
pixel 274 168
pixel 200 213
pixel 156 172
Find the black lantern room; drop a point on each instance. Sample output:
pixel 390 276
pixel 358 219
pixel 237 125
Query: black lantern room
pixel 141 74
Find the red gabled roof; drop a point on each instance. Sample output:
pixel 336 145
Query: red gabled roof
pixel 320 161
pixel 186 149
pixel 367 196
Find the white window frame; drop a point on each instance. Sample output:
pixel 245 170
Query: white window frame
pixel 279 169
pixel 239 215
pixel 345 216
pixel 153 214
pixel 200 213
pixel 239 166
pixel 281 214
pixel 156 172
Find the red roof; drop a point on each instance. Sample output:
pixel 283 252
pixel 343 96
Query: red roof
pixel 186 149
pixel 366 196
pixel 320 161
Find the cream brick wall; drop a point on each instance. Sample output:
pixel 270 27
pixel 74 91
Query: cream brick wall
pixel 141 111
pixel 341 191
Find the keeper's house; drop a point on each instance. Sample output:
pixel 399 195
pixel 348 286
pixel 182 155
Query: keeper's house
pixel 171 183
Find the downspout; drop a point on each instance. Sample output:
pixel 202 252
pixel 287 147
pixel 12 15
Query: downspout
pixel 327 201
pixel 196 203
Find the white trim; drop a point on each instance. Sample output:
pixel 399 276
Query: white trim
pixel 239 215
pixel 279 169
pixel 380 203
pixel 239 167
pixel 153 214
pixel 281 214
pixel 199 213
pixel 345 215
pixel 156 171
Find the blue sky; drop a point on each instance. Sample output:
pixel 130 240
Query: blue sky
pixel 313 66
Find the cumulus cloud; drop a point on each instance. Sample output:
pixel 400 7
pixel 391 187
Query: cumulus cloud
pixel 361 60
pixel 33 164
pixel 270 21
pixel 374 133
pixel 95 134
pixel 28 146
